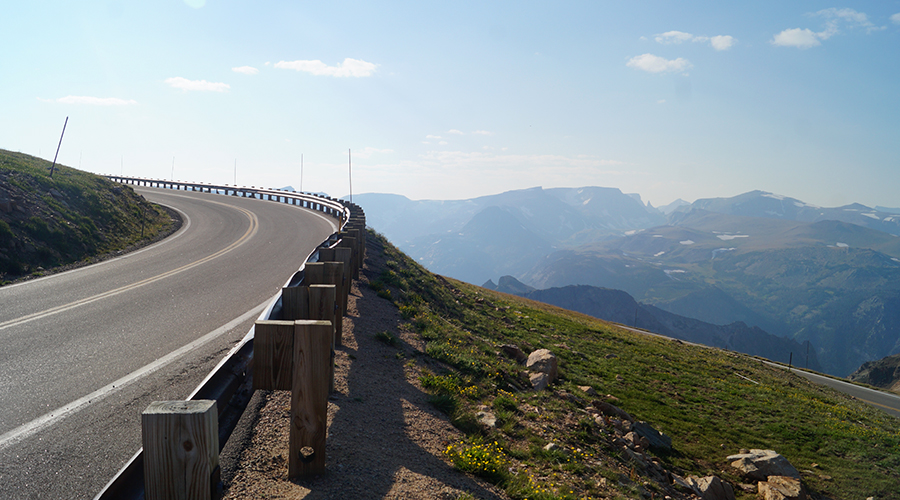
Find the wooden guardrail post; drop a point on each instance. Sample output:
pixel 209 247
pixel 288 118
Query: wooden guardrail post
pixel 342 255
pixel 329 273
pixel 295 302
pixel 273 355
pixel 309 397
pixel 321 307
pixel 181 450
pixel 349 241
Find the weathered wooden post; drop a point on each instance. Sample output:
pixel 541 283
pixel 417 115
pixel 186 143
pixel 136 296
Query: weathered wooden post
pixel 295 302
pixel 297 356
pixel 273 355
pixel 329 273
pixel 309 397
pixel 348 241
pixel 343 255
pixel 321 307
pixel 181 450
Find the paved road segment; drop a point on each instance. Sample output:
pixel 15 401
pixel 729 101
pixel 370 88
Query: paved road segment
pixel 82 353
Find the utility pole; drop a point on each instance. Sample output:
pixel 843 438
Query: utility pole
pixel 235 172
pixel 350 172
pixel 301 172
pixel 57 147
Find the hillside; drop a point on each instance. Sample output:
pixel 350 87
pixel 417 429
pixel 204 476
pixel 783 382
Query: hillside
pixel 70 218
pixel 548 444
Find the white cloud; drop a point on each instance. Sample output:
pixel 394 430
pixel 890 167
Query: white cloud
pixel 722 42
pixel 896 18
pixel 350 67
pixel 247 70
pixel 443 143
pixel 719 42
pixel 834 19
pixel 202 85
pixel 797 37
pixel 456 132
pixel 483 132
pixel 673 37
pixel 93 101
pixel 656 64
pixel 661 101
pixel 433 137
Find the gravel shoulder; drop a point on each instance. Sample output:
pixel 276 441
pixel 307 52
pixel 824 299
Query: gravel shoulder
pixel 384 439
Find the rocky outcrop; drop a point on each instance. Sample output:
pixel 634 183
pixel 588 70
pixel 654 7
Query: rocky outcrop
pixel 781 488
pixel 711 488
pixel 761 464
pixel 884 373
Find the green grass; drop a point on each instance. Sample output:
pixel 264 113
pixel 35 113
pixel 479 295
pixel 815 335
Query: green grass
pixel 70 217
pixel 692 394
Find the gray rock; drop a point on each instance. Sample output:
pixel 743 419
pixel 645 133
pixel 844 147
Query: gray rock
pixel 711 488
pixel 611 410
pixel 543 361
pixel 588 390
pixel 539 381
pixel 655 438
pixel 760 464
pixel 487 419
pixel 781 488
pixel 513 352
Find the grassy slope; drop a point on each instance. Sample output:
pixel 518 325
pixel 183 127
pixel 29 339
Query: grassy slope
pixel 695 395
pixel 68 218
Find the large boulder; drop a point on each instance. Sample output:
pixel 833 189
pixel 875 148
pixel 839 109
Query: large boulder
pixel 542 362
pixel 760 464
pixel 711 488
pixel 781 488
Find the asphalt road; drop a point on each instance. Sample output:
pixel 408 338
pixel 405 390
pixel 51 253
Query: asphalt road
pixel 82 353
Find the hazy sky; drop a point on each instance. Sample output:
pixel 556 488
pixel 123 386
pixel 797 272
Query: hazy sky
pixel 449 100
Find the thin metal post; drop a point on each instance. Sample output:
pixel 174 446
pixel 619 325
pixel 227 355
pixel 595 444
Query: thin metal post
pixel 58 146
pixel 350 172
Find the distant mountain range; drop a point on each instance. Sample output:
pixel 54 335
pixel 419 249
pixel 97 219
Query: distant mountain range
pixel 827 275
pixel 476 239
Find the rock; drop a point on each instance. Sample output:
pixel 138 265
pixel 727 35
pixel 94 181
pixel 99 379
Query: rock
pixel 655 438
pixel 551 447
pixel 611 410
pixel 487 419
pixel 543 361
pixel 760 464
pixel 513 352
pixel 781 488
pixel 539 381
pixel 588 390
pixel 711 488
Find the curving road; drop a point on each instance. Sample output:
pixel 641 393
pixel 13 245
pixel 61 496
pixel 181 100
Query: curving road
pixel 82 353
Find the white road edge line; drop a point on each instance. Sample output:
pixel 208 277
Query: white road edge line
pixel 27 430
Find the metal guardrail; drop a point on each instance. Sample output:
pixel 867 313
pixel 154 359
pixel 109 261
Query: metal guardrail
pixel 230 384
pixel 327 204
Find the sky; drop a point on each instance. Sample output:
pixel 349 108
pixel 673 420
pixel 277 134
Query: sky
pixel 453 100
